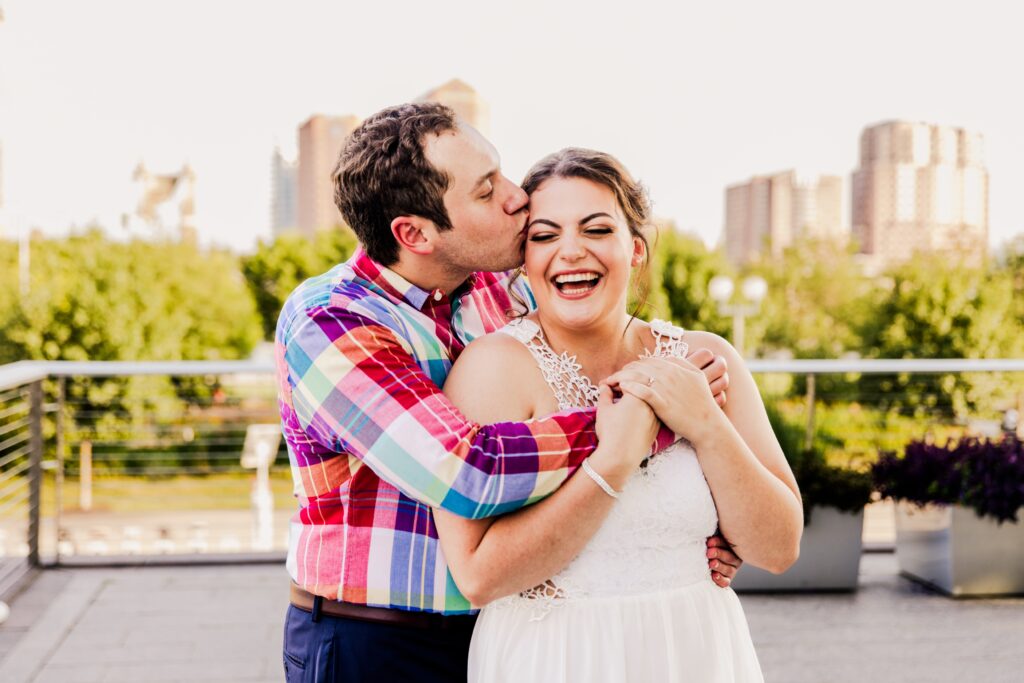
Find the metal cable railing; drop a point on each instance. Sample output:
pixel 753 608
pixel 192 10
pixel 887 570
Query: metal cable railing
pixel 102 460
pixel 21 415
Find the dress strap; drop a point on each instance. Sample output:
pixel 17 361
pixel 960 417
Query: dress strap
pixel 521 329
pixel 572 389
pixel 668 340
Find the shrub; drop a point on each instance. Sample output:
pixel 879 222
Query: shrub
pixel 984 475
pixel 820 483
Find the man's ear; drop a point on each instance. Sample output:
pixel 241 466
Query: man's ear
pixel 414 233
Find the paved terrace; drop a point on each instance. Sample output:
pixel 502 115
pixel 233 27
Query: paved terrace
pixel 223 623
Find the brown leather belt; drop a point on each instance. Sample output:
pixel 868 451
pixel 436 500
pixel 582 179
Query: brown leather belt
pixel 315 605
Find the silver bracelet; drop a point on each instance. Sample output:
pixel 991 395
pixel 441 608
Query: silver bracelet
pixel 598 479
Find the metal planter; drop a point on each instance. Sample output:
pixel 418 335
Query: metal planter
pixel 950 548
pixel 829 557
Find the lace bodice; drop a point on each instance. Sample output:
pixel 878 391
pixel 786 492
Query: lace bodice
pixel 654 537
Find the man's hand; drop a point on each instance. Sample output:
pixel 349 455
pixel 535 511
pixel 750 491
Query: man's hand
pixel 715 369
pixel 722 561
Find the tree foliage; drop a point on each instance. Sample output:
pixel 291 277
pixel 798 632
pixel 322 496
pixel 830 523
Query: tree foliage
pixel 932 308
pixel 677 277
pixel 818 298
pixel 94 299
pixel 91 298
pixel 280 266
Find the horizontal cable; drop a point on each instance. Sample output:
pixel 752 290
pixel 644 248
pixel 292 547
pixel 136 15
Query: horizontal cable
pixel 14 455
pixel 197 445
pixel 14 441
pixel 12 426
pixel 114 456
pixel 14 410
pixel 14 502
pixel 12 394
pixel 18 485
pixel 14 471
pixel 143 472
pixel 155 431
pixel 231 402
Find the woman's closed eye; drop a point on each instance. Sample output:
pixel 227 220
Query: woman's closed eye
pixel 542 237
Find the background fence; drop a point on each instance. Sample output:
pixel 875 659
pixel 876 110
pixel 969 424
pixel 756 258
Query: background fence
pixel 128 462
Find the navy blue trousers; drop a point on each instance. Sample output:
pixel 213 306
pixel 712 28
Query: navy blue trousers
pixel 339 649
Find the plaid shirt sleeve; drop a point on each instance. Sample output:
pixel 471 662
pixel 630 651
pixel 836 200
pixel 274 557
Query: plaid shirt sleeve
pixel 356 389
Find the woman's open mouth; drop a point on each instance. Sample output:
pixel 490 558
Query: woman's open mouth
pixel 575 285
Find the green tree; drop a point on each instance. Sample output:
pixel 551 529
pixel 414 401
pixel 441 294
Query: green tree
pixel 817 301
pixel 1013 266
pixel 934 309
pixel 95 299
pixel 8 277
pixel 277 268
pixel 677 279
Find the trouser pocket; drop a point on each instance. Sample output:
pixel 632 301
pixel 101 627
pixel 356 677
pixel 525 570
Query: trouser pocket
pixel 307 655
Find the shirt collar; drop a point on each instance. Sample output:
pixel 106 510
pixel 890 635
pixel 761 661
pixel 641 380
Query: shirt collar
pixel 397 286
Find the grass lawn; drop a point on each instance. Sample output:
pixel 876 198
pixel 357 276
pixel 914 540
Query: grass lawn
pixel 149 493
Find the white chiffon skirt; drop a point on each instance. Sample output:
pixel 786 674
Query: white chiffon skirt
pixel 696 633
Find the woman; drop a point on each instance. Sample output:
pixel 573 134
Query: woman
pixel 638 602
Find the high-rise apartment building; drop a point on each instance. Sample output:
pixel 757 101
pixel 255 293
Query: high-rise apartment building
pixel 920 188
pixel 461 97
pixel 320 140
pixel 283 179
pixel 768 213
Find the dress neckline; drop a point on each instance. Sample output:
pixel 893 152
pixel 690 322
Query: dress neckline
pixel 563 372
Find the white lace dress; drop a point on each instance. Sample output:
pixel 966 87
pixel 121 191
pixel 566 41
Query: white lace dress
pixel 638 603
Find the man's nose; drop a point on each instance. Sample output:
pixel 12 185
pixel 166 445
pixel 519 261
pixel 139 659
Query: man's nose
pixel 516 200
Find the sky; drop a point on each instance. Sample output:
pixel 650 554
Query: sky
pixel 691 96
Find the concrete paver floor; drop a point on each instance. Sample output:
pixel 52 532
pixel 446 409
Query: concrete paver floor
pixel 223 623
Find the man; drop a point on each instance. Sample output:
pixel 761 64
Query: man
pixel 362 351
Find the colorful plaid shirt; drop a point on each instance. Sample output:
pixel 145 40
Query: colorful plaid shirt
pixel 374 444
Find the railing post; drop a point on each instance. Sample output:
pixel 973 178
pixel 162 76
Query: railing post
pixel 58 484
pixel 809 434
pixel 35 472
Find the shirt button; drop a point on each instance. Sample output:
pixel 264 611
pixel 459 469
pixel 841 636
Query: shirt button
pixel 437 295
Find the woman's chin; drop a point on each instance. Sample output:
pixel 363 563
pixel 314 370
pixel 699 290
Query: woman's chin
pixel 575 315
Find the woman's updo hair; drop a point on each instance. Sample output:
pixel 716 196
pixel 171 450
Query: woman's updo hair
pixel 605 170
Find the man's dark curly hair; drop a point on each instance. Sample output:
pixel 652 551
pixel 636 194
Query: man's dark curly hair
pixel 382 173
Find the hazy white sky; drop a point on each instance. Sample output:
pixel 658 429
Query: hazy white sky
pixel 691 97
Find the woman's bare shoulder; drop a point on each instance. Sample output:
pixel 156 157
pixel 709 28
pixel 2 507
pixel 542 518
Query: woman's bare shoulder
pixel 700 339
pixel 496 348
pixel 495 379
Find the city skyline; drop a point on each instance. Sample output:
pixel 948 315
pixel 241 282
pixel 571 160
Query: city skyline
pixel 690 99
pixel 920 188
pixel 770 212
pixel 303 187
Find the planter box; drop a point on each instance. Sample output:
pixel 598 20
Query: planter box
pixel 950 548
pixel 829 557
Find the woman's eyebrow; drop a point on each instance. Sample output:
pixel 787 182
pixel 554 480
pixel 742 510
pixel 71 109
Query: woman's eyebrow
pixel 543 221
pixel 595 215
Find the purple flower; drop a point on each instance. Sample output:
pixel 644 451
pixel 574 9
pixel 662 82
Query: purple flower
pixel 985 475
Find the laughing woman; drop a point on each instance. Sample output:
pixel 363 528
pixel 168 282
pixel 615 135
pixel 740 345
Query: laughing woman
pixel 637 603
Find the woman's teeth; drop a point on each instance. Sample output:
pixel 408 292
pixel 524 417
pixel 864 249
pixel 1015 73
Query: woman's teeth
pixel 576 283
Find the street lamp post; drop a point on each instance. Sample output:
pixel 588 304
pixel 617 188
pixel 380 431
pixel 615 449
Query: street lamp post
pixel 754 289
